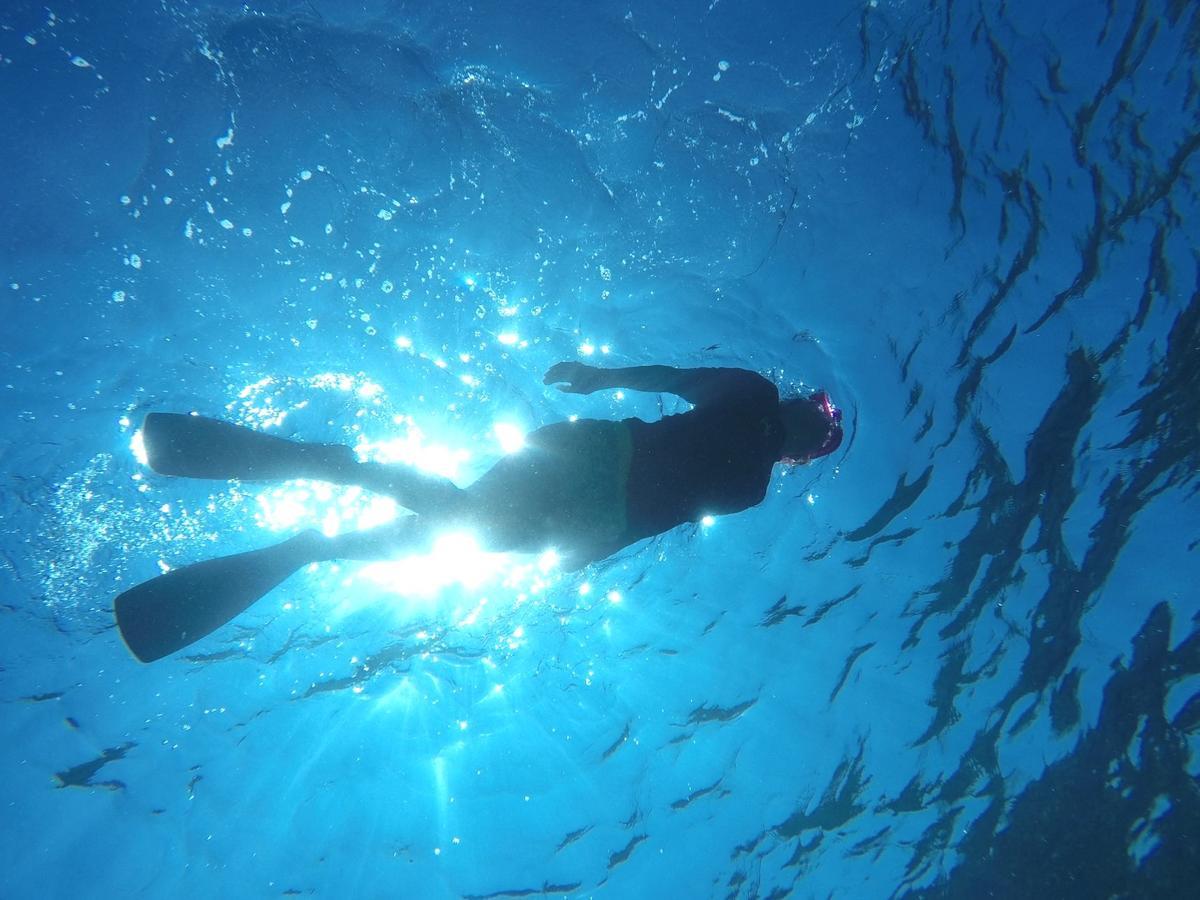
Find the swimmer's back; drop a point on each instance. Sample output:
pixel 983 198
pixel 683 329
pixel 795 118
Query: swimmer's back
pixel 715 459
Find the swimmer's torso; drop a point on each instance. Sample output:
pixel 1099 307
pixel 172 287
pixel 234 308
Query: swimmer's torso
pixel 590 487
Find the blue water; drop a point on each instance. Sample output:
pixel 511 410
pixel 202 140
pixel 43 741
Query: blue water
pixel 959 658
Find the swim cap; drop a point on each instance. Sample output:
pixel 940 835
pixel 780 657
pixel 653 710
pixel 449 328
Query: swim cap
pixel 833 437
pixel 833 415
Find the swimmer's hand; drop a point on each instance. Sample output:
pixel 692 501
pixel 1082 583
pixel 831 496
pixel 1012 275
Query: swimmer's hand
pixel 575 378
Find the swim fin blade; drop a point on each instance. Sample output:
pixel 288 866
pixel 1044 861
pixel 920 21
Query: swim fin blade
pixel 199 447
pixel 167 613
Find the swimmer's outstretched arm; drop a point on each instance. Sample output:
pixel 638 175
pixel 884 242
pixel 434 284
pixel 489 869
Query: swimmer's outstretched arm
pixel 693 385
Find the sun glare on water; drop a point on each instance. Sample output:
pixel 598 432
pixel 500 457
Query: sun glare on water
pixel 330 508
pixel 456 559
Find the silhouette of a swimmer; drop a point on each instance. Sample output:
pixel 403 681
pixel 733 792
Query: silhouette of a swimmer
pixel 586 488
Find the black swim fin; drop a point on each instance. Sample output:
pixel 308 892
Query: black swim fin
pixel 198 447
pixel 163 615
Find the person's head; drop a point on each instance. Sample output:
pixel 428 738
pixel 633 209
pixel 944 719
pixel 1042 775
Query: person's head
pixel 812 428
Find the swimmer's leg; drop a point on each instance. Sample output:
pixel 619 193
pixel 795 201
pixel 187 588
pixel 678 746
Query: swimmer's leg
pixel 167 613
pixel 428 495
pixel 199 447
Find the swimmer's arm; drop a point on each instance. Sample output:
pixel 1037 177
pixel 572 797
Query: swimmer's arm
pixel 693 385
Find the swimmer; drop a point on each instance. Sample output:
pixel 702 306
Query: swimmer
pixel 586 488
